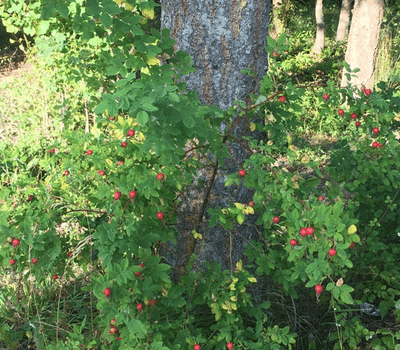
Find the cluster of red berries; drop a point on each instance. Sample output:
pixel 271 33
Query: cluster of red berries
pixel 306 231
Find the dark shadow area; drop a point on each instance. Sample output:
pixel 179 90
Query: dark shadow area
pixel 11 56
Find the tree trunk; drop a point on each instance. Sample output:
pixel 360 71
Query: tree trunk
pixel 320 37
pixel 362 48
pixel 344 20
pixel 222 37
pixel 277 25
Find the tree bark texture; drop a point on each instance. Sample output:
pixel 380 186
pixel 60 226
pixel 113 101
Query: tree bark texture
pixel 344 20
pixel 320 37
pixel 362 48
pixel 223 37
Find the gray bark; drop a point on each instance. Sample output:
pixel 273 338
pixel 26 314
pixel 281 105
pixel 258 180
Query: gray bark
pixel 320 37
pixel 344 20
pixel 362 48
pixel 222 37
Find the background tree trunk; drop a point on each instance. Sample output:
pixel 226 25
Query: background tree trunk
pixel 362 48
pixel 222 37
pixel 277 24
pixel 344 20
pixel 320 37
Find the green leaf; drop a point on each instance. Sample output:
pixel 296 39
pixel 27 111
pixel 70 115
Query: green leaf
pixel 62 8
pixel 346 297
pixel 189 121
pixel 142 117
pixel 106 20
pixel 240 218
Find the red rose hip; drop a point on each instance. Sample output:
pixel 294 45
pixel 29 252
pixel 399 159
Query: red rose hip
pixel 160 176
pixel 340 111
pixel 242 172
pixel 332 252
pixel 16 242
pixel 276 219
pixel 318 288
pixel 229 345
pixel 131 132
pixel 117 195
pixel 293 242
pixel 107 292
pixel 160 215
pixel 132 194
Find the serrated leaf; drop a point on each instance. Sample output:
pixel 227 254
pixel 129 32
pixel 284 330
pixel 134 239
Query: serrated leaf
pixel 240 218
pixel 252 126
pixel 239 206
pixel 189 121
pixel 142 117
pixel 352 229
pixel 346 298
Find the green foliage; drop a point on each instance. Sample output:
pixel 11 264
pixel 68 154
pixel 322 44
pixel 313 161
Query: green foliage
pixel 87 230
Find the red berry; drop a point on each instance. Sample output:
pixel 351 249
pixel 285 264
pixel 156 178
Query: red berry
pixel 51 151
pixel 111 118
pixel 293 242
pixel 282 99
pixel 367 92
pixel 375 130
pixel 55 277
pixel 119 338
pixel 107 292
pixel 112 321
pixel 196 347
pixel 353 116
pixel 132 194
pixel 310 230
pixel 34 261
pixel 124 144
pixel 113 329
pixel 358 124
pixel 30 197
pixel 69 254
pixel 341 111
pixel 303 231
pixel 139 307
pixel 275 54
pixel 332 252
pixel 16 242
pixel 242 172
pixel 374 144
pixel 152 302
pixel 251 204
pixel 120 162
pixel 66 173
pixel 160 176
pixel 276 219
pixel 138 273
pixel 102 172
pixel 379 145
pixel 325 97
pixel 131 132
pixel 229 345
pixel 117 195
pixel 160 215
pixel 320 198
pixel 12 261
pixel 89 152
pixel 318 288
pixel 351 245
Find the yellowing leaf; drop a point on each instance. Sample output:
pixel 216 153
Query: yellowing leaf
pixel 234 298
pixel 270 143
pixel 252 126
pixel 289 139
pixel 352 229
pixel 239 265
pixel 153 61
pixel 239 206
pixel 293 148
pixel 252 279
pixel 240 218
pixel 305 159
pixel 248 210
